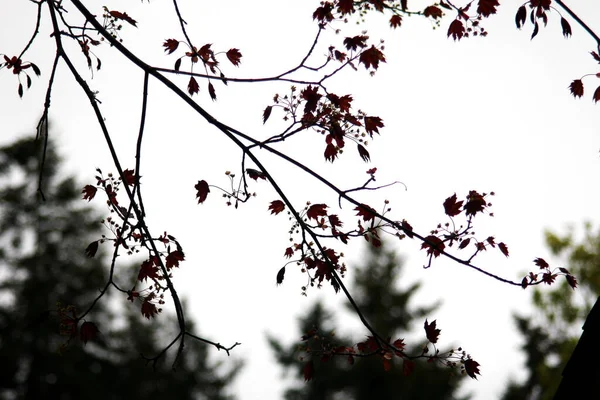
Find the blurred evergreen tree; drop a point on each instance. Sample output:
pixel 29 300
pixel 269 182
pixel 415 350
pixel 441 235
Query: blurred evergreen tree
pixel 552 332
pixel 42 263
pixel 391 315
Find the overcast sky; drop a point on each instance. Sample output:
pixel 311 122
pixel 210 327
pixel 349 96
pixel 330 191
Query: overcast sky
pixel 490 114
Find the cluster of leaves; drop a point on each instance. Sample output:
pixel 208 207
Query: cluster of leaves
pixel 19 67
pixel 323 346
pixel 71 328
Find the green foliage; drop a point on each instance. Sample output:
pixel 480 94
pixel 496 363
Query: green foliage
pixel 43 263
pixel 389 311
pixel 551 334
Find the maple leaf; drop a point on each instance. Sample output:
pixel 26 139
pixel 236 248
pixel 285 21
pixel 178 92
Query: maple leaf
pixel 88 331
pixel 548 278
pixel 345 6
pixel 234 56
pixel 148 270
pixel 312 97
pixel 316 210
pixel 593 53
pixel 464 243
pixel 597 95
pixel 520 17
pixel 366 212
pixel 149 309
pixel 475 203
pixel 202 191
pixel 211 91
pixel 91 250
pixel 487 7
pixel 372 124
pixel 129 177
pixel 399 344
pixel 395 21
pixel 193 86
pixel 173 259
pixel 503 248
pixel 456 29
pixel 331 152
pixel 280 275
pixel 371 57
pixel 255 174
pixel 472 368
pixel 335 221
pixel 124 17
pixel 566 28
pixel 276 207
pixel 433 12
pixel 364 154
pixel 431 331
pixel 434 245
pixel 576 88
pixel 289 252
pixel 171 45
pixel 353 43
pixel 267 113
pixel 323 13
pixel 407 228
pixel 89 192
pixel 308 370
pixel 540 262
pixel 451 206
pixel 524 283
pixel 571 280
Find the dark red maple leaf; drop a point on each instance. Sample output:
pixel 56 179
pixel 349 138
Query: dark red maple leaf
pixel 353 43
pixel 597 95
pixel 367 213
pixel 520 17
pixel 524 283
pixel 173 259
pixel 433 12
pixel 399 344
pixel 276 206
pixel 92 248
pixel 256 174
pixel 316 210
pixel 211 91
pixel 464 243
pixel 289 252
pixel 88 331
pixel 324 13
pixel 452 207
pixel 487 7
pixel 566 28
pixel 202 191
pixel 407 229
pixel 571 280
pixel 434 245
pixel 124 17
pixel 335 221
pixel 456 29
pixel 149 309
pixel 345 6
pixel 148 270
pixel 368 346
pixel 234 56
pixel 331 152
pixel 371 57
pixel 576 88
pixel 395 21
pixel 312 96
pixel 171 45
pixel 503 248
pixel 267 113
pixel 280 275
pixel 431 331
pixel 308 371
pixel 472 368
pixel 372 125
pixel 548 278
pixel 89 192
pixel 193 87
pixel 129 177
pixel 364 154
pixel 593 53
pixel 475 203
pixel 540 262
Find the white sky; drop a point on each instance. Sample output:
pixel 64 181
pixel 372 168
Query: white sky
pixel 491 114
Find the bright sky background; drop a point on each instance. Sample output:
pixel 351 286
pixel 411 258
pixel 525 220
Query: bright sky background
pixel 490 114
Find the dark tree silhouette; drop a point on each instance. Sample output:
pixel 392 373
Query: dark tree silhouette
pixel 44 272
